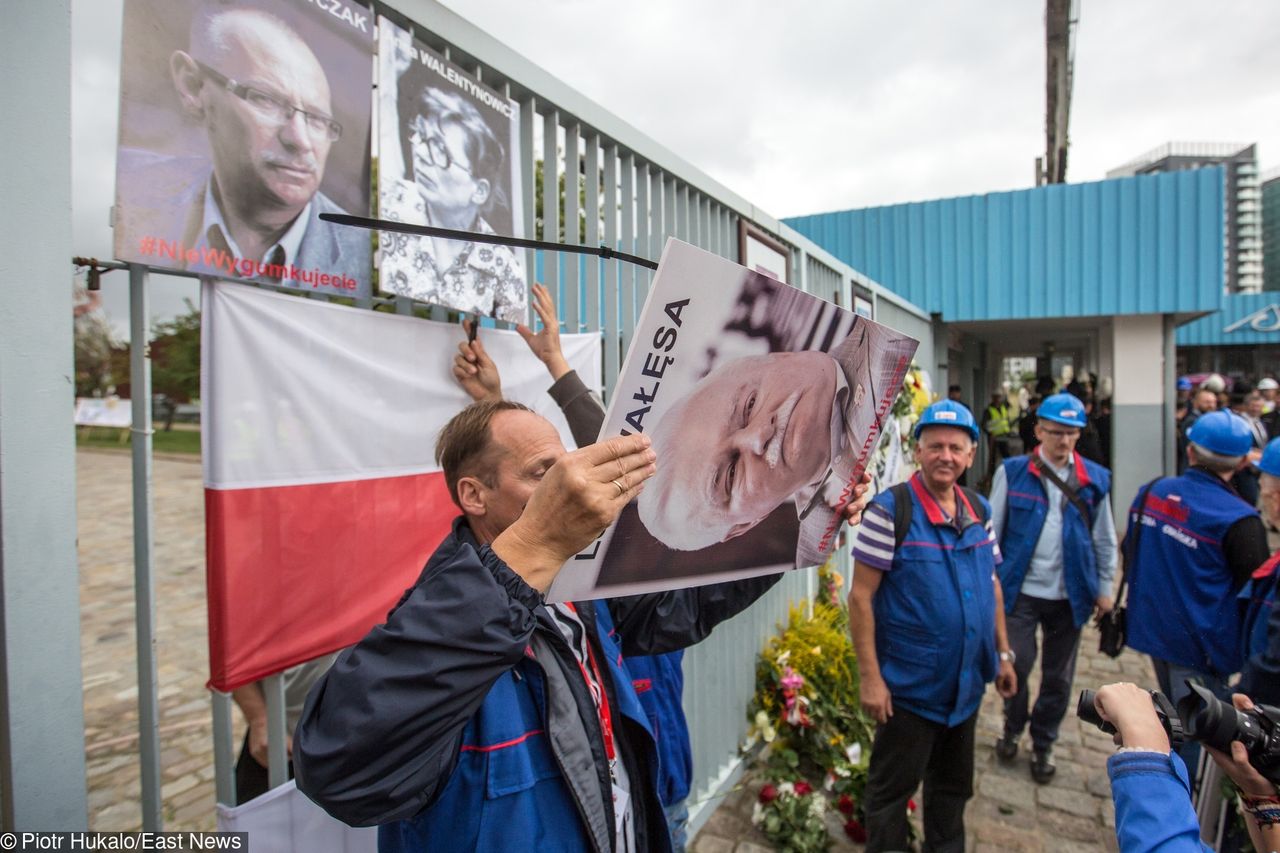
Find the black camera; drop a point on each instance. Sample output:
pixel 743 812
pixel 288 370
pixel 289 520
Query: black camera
pixel 1088 711
pixel 1203 717
pixel 1211 721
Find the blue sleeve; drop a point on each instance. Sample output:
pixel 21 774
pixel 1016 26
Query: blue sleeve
pixel 1105 546
pixel 1260 678
pixel 998 499
pixel 1153 804
pixel 380 732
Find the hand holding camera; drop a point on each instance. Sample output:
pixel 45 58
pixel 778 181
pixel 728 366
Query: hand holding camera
pixel 1242 736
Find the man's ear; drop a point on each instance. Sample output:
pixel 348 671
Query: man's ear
pixel 188 81
pixel 471 496
pixel 481 195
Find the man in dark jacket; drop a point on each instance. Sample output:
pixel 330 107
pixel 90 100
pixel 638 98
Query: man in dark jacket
pixel 658 679
pixel 479 717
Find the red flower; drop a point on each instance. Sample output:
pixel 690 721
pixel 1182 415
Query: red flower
pixel 856 832
pixel 768 794
pixel 911 806
pixel 803 788
pixel 845 805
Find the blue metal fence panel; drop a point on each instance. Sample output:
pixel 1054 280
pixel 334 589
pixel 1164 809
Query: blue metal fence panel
pixel 1245 318
pixel 1140 245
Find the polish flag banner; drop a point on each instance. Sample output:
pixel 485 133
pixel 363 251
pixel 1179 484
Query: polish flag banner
pixel 323 499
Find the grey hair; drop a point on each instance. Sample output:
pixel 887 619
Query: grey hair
pixel 1215 462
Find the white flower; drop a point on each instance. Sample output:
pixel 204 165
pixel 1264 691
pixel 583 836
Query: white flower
pixel 786 788
pixel 816 805
pixel 757 814
pixel 784 657
pixel 854 753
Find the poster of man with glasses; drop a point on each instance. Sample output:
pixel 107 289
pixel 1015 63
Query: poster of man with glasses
pixel 448 157
pixel 241 123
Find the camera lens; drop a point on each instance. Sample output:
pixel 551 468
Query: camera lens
pixel 1087 710
pixel 1208 719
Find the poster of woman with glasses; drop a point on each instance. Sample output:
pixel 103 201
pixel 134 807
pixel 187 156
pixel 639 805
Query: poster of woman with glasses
pixel 241 123
pixel 448 157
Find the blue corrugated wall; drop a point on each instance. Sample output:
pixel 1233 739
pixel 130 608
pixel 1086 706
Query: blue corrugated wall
pixel 1141 245
pixel 1245 318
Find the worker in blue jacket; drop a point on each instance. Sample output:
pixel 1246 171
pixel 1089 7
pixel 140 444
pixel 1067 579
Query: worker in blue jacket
pixel 1052 514
pixel 658 680
pixel 479 718
pixel 1200 543
pixel 927 624
pixel 1260 624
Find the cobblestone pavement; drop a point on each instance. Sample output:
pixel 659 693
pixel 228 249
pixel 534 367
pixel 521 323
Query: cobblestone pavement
pixel 1009 812
pixel 107 642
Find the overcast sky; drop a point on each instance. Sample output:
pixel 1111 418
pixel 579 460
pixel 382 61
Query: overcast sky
pixel 830 104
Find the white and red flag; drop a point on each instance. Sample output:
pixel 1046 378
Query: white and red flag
pixel 322 495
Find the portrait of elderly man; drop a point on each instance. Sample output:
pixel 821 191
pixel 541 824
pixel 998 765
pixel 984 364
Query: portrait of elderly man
pixel 251 207
pixel 758 431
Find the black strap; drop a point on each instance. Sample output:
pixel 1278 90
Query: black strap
pixel 901 512
pixel 1129 549
pixel 976 503
pixel 476 237
pixel 903 507
pixel 1071 494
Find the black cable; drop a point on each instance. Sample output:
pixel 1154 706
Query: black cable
pixel 474 237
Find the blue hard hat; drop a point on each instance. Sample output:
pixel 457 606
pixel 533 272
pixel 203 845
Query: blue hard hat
pixel 1184 384
pixel 1223 433
pixel 948 413
pixel 1065 409
pixel 1270 462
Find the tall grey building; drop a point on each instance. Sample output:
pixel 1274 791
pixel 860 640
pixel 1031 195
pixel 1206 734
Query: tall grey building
pixel 1271 229
pixel 1243 205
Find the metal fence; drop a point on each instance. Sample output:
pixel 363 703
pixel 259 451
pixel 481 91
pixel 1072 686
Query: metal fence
pixel 626 191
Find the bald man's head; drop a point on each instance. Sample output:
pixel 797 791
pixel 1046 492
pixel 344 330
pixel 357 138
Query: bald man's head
pixel 265 102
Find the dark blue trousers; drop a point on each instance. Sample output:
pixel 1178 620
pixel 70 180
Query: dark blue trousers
pixel 1057 666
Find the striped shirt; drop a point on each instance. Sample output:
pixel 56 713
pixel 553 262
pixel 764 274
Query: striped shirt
pixel 874 543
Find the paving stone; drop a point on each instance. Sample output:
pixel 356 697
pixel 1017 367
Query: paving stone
pixel 1072 802
pixel 1017 793
pixel 708 843
pixel 1054 824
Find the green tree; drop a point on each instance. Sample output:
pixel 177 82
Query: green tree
pixel 102 360
pixel 582 201
pixel 175 360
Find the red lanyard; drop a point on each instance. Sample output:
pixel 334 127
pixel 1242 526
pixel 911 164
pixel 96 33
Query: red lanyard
pixel 602 704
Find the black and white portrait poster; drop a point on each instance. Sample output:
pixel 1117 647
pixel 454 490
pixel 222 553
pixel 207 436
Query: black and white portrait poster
pixel 763 403
pixel 241 123
pixel 447 157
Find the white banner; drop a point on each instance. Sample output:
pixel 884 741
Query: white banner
pixel 103 412
pixel 284 821
pixel 308 391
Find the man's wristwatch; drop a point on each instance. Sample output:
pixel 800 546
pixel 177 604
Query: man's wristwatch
pixel 1008 656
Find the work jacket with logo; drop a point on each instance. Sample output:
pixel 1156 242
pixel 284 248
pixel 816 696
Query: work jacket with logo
pixel 935 610
pixel 1182 596
pixel 1027 507
pixel 464 722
